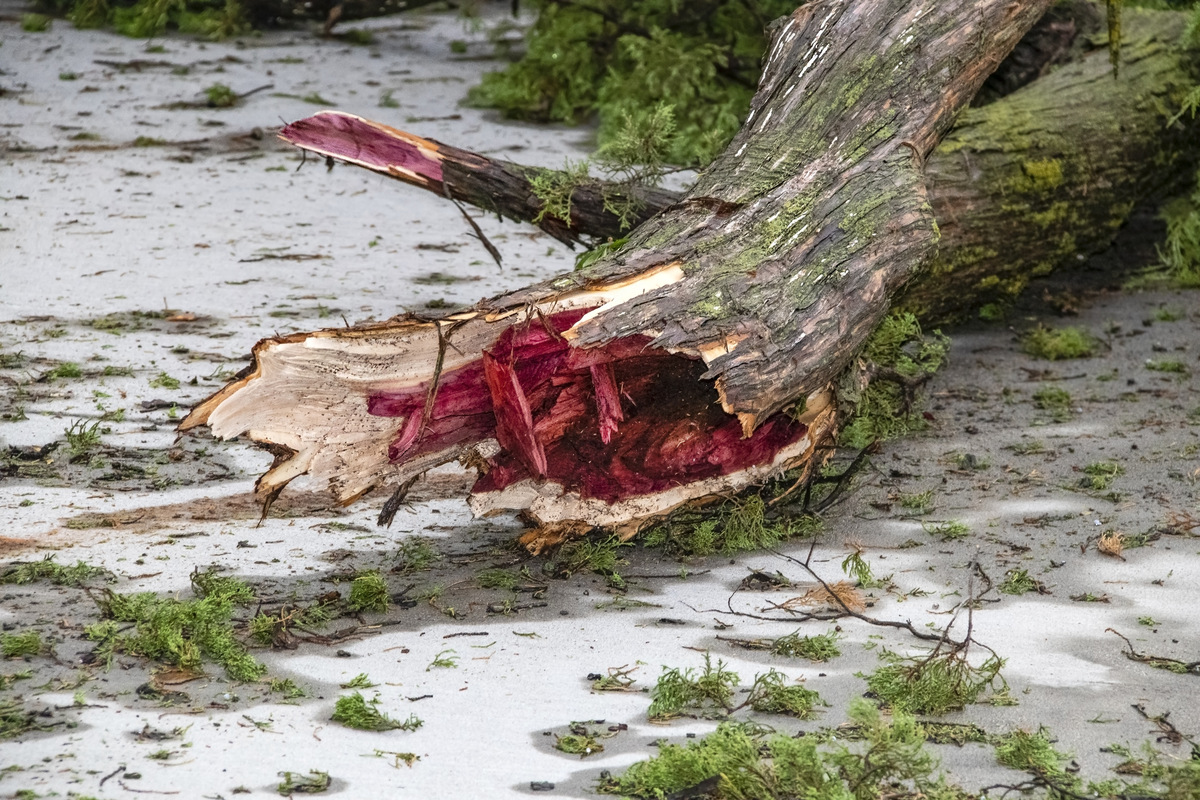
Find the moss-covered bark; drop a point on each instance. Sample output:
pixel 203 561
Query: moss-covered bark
pixel 1047 175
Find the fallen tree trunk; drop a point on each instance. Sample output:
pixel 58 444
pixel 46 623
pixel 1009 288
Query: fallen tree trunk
pixel 1011 175
pixel 698 357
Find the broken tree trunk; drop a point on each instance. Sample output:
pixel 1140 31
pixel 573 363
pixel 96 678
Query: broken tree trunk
pixel 698 357
pixel 1063 161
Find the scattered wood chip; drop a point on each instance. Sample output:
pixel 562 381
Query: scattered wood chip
pixel 819 596
pixel 1111 543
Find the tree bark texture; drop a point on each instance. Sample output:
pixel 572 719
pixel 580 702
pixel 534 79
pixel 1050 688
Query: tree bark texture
pixel 1062 158
pixel 699 356
pixel 1047 176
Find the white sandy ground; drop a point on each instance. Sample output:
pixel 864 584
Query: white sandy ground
pixel 89 232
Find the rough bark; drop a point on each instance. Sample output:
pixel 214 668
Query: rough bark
pixel 1048 175
pixel 1011 175
pixel 754 292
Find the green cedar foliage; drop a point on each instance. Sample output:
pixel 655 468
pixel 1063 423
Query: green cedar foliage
pixel 142 19
pixel 620 60
pixel 1181 251
pixel 740 762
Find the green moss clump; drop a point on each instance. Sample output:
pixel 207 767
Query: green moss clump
pixel 355 711
pixel 416 555
pixel 164 381
pixel 578 744
pixel 1100 475
pixel 710 694
pixel 740 525
pixel 210 583
pixel 369 592
pixel 601 556
pixel 772 694
pixel 19 645
pixel 740 763
pixel 818 647
pixel 920 502
pixel 680 692
pixel 314 782
pixel 288 688
pixel 67 369
pixel 1041 176
pixel 728 754
pixel 1052 398
pixel 179 632
pixel 220 96
pixel 82 438
pixel 933 684
pixel 35 23
pixel 51 571
pixel 1055 400
pixel 992 312
pixel 1056 345
pixel 1018 581
pixel 883 408
pixel 497 579
pixel 1167 365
